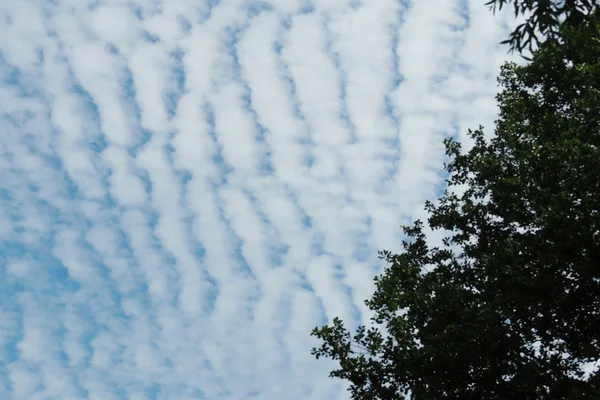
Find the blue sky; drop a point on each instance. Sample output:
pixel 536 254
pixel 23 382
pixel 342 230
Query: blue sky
pixel 187 188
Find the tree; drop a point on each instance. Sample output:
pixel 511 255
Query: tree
pixel 545 18
pixel 508 306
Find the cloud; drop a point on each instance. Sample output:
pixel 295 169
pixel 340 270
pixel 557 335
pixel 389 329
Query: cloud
pixel 189 188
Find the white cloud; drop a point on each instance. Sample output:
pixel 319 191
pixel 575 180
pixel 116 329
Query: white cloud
pixel 115 24
pixel 188 189
pixel 150 66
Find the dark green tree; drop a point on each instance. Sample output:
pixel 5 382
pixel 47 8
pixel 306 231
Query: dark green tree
pixel 544 17
pixel 508 306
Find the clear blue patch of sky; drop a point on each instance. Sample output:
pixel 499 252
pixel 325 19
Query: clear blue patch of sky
pixel 152 392
pixel 317 245
pixel 362 251
pixel 265 163
pixel 130 104
pixel 49 270
pixel 150 37
pixel 91 110
pixel 11 329
pixel 349 126
pixel 277 249
pixel 307 7
pixel 442 174
pixel 241 264
pixel 305 219
pixel 5 383
pixel 185 24
pixel 109 281
pixel 340 275
pixel 96 139
pixel 87 331
pixel 393 143
pixel 254 8
pixel 50 280
pixel 464 13
pixel 144 177
pixel 168 260
pixel 306 141
pixel 24 84
pixel 178 75
pixel 210 6
pixel 224 168
pixel 197 248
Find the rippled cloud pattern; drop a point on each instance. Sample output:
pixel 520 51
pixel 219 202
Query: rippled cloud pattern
pixel 187 188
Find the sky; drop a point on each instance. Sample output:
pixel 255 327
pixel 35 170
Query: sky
pixel 187 188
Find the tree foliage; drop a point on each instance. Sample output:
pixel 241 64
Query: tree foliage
pixel 508 307
pixel 544 18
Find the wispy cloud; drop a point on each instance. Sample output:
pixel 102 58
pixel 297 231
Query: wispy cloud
pixel 187 188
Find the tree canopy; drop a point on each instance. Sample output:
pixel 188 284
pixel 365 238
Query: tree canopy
pixel 508 306
pixel 544 18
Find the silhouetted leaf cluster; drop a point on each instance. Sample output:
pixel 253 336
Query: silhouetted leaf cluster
pixel 544 18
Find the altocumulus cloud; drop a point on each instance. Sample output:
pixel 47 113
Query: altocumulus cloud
pixel 188 187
